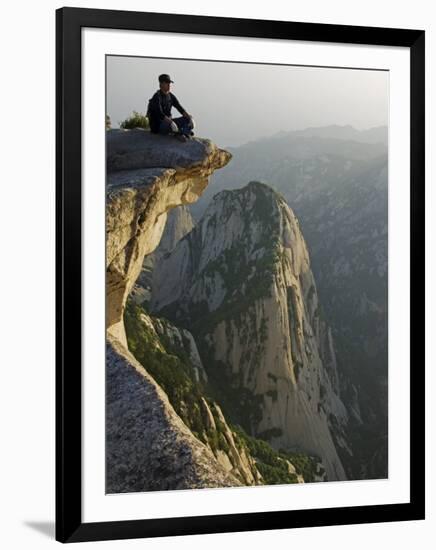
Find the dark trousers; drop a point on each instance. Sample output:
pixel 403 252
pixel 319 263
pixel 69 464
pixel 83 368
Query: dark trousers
pixel 183 123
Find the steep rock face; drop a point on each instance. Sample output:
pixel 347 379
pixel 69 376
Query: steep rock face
pixel 234 459
pixel 179 223
pixel 147 175
pixel 241 282
pixel 179 339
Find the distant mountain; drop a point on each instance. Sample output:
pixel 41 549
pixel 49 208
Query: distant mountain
pixel 378 134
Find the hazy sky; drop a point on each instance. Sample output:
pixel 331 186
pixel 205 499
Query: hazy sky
pixel 233 103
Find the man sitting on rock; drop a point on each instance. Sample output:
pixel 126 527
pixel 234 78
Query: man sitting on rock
pixel 159 112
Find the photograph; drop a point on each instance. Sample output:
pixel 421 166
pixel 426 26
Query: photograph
pixel 246 231
pixel 226 235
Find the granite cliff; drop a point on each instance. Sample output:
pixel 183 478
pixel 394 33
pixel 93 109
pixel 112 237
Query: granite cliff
pixel 241 282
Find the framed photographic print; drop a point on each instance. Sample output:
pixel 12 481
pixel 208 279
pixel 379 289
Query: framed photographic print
pixel 240 274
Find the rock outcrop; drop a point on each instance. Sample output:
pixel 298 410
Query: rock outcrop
pixel 148 446
pixel 178 339
pixel 147 175
pixel 241 282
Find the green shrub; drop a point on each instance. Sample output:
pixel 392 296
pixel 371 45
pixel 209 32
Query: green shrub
pixel 136 120
pixel 269 462
pixel 305 465
pixel 175 376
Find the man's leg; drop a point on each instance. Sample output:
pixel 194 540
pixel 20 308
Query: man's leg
pixel 184 124
pixel 165 127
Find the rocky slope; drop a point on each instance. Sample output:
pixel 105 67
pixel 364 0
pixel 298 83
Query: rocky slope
pixel 241 282
pixel 148 447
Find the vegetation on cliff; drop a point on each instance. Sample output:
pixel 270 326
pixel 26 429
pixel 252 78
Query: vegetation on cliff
pixel 171 368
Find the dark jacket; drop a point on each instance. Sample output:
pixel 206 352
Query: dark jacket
pixel 160 106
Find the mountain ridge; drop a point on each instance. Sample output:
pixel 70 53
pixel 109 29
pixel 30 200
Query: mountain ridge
pixel 375 134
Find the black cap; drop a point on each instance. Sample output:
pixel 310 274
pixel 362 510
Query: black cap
pixel 165 78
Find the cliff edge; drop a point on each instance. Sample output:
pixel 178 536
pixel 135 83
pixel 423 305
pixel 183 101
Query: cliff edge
pixel 148 446
pixel 147 175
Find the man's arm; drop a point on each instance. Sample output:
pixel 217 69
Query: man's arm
pixel 177 105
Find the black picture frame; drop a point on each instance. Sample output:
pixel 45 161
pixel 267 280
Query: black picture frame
pixel 69 525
